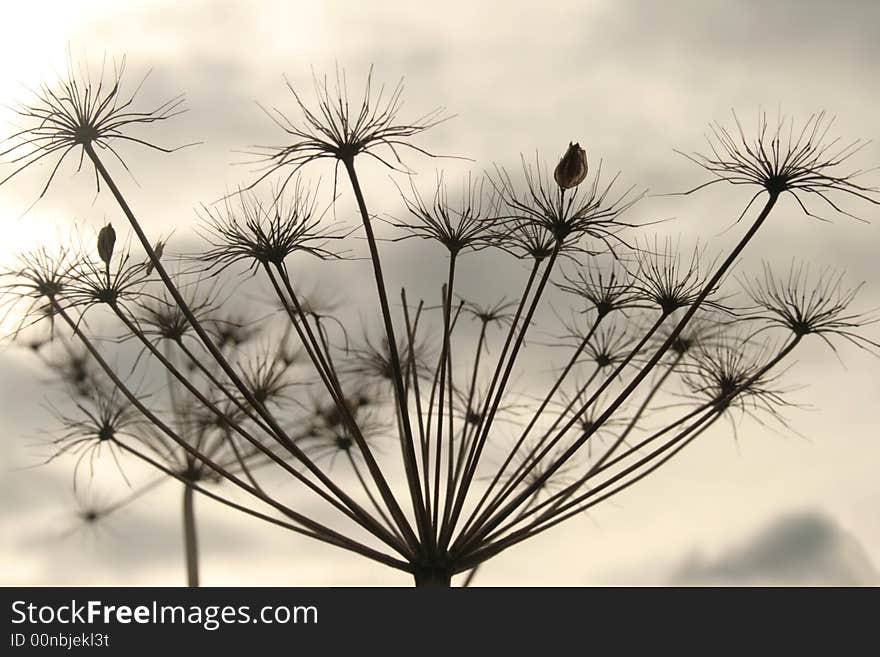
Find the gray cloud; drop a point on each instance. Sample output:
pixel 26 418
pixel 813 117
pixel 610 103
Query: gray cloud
pixel 807 548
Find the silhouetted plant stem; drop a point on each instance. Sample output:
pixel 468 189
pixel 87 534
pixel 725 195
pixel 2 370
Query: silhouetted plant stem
pixel 322 360
pixel 375 503
pixel 472 388
pixel 318 355
pixel 199 364
pixel 190 538
pixel 582 389
pixel 242 462
pixel 492 549
pixel 411 468
pixel 312 528
pixel 175 293
pixel 444 371
pixel 634 383
pixel 300 324
pixel 473 452
pixel 173 371
pixel 555 501
pixel 205 338
pixel 647 400
pixel 513 451
pixel 432 578
pixel 473 572
pixel 412 370
pixel 331 539
pixel 529 457
pixel 466 433
pixel 670 339
pixel 487 421
pixel 535 456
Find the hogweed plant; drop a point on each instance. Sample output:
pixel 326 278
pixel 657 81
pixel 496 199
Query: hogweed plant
pixel 429 440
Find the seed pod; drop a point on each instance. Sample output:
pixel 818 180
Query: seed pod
pixel 106 241
pixel 572 168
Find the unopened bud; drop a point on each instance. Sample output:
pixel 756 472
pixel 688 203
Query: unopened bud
pixel 106 241
pixel 572 168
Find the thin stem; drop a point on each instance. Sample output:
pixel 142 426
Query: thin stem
pixel 651 394
pixel 351 509
pixel 698 427
pixel 559 498
pixel 332 538
pixel 472 388
pixel 443 366
pixel 366 487
pixel 536 457
pixel 190 539
pixel 512 453
pixel 470 576
pixel 315 527
pixel 331 382
pixel 400 389
pixel 555 500
pixel 411 326
pixel 175 293
pixel 475 448
pixel 655 358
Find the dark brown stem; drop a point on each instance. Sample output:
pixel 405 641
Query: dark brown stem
pixel 479 434
pixel 400 388
pixel 444 370
pixel 190 538
pixel 313 528
pixel 200 331
pixel 515 449
pixel 332 538
pixel 427 577
pixel 558 513
pixel 351 509
pixel 648 367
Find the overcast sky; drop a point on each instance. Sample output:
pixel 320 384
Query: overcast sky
pixel 631 81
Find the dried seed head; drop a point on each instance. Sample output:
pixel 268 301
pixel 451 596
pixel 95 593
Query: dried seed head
pixel 779 157
pixel 106 241
pixel 572 168
pixel 81 112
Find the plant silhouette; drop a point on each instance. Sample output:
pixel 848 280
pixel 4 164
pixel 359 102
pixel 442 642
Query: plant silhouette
pixel 418 437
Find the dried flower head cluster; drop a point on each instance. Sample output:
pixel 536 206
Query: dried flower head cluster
pixel 449 431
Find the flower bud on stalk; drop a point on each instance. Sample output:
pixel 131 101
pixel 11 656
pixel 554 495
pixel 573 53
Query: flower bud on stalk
pixel 572 168
pixel 106 241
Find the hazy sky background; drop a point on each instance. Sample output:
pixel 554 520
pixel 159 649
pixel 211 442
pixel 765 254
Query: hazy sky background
pixel 630 81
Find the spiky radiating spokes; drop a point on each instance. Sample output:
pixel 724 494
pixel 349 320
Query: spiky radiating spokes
pixel 811 302
pixel 782 158
pixel 81 111
pixel 338 129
